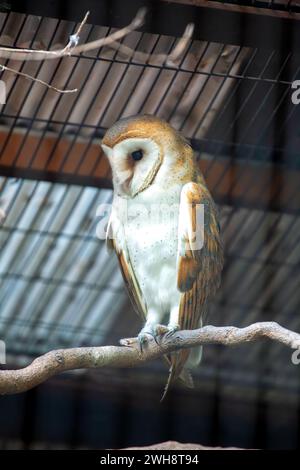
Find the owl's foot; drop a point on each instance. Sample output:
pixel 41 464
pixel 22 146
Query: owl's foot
pixel 166 330
pixel 154 331
pixel 172 327
pixel 161 330
pixel 143 336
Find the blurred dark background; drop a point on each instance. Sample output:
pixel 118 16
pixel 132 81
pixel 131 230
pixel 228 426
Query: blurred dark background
pixel 230 94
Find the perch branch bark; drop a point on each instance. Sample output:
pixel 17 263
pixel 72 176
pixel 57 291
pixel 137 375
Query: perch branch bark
pixel 129 354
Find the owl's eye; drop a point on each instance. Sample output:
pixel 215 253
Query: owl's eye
pixel 137 155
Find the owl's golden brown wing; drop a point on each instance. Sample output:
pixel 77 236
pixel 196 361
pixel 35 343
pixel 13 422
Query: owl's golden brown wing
pixel 200 257
pixel 129 277
pixel 200 261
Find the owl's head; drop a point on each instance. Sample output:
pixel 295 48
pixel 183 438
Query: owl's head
pixel 139 148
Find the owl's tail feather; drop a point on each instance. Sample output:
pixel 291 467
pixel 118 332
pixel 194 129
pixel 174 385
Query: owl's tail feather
pixel 195 357
pixel 187 378
pixel 180 364
pixel 177 370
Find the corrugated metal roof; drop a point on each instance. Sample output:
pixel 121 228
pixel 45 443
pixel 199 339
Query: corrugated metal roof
pixel 52 262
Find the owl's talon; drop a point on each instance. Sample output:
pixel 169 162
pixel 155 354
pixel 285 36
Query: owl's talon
pixel 155 331
pixel 155 339
pixel 143 338
pixel 171 330
pixel 161 330
pixel 128 342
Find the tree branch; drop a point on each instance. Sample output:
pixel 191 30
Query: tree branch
pixel 129 354
pixel 72 48
pixel 37 80
pixel 170 59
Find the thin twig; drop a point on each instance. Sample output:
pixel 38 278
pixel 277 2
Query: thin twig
pixel 170 59
pixel 38 80
pixel 129 355
pixel 71 48
pixel 74 38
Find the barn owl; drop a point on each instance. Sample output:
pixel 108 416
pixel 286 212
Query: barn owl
pixel 169 277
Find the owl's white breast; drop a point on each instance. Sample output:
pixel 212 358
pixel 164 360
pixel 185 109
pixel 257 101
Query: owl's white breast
pixel 151 236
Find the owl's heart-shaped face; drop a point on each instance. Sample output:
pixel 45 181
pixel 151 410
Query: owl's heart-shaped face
pixel 135 163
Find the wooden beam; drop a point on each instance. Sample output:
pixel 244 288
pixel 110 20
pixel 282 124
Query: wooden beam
pixel 215 22
pixel 232 182
pixel 51 156
pixel 246 6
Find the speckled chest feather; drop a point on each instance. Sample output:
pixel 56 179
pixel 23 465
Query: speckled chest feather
pixel 151 234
